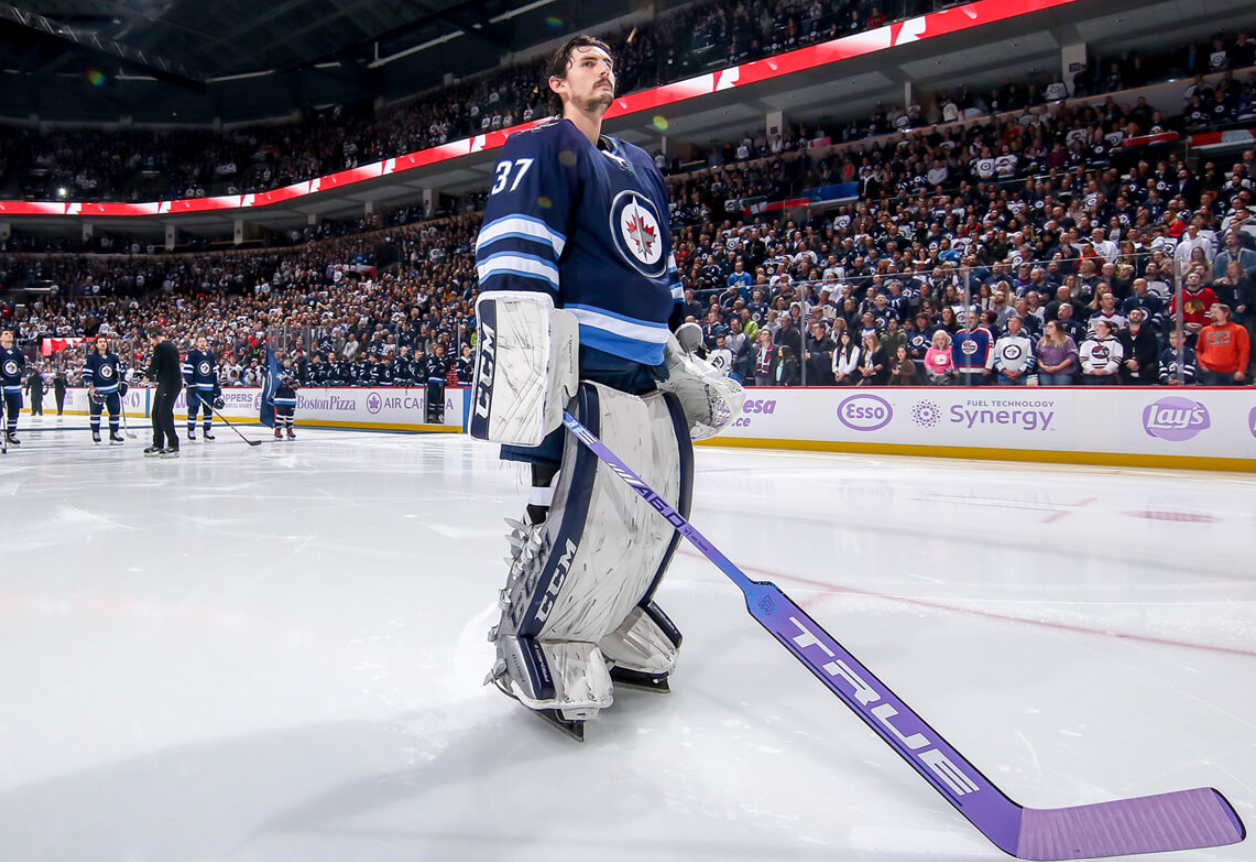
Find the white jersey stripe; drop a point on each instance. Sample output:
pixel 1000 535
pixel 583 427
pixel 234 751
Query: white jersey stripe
pixel 652 333
pixel 518 264
pixel 524 228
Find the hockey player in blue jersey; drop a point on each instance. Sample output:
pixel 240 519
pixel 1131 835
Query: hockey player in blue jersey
pixel 12 364
pixel 286 402
pixel 580 296
pixel 200 373
pixel 102 375
pixel 436 372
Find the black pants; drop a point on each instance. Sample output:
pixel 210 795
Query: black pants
pixel 60 392
pixel 37 402
pixel 163 416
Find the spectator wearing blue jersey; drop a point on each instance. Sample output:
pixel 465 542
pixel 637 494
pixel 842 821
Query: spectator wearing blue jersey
pixel 972 350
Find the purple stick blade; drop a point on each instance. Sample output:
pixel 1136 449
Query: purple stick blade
pixel 1183 820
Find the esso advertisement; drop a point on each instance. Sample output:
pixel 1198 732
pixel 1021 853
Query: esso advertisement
pixel 865 412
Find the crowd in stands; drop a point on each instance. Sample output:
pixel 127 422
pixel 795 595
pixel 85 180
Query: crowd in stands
pixel 144 164
pixel 134 164
pixel 1049 233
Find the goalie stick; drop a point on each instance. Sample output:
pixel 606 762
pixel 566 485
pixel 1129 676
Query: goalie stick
pixel 1181 820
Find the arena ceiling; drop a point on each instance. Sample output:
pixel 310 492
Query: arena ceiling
pixel 143 56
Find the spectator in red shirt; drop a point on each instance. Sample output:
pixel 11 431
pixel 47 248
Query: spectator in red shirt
pixel 1223 350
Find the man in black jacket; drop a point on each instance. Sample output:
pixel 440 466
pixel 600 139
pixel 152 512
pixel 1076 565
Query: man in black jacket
pixel 1141 365
pixel 166 370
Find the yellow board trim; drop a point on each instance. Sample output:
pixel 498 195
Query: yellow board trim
pixel 1103 459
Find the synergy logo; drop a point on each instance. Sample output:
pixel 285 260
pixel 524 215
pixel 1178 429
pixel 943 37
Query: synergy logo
pixel 374 403
pixel 1251 421
pixel 865 412
pixel 926 414
pixel 1175 419
pixel 1026 414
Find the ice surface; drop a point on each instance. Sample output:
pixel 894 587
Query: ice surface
pixel 276 654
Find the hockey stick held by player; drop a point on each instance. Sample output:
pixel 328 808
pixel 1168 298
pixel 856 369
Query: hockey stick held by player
pixel 1179 820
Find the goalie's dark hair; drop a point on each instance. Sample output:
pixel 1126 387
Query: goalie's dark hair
pixel 560 62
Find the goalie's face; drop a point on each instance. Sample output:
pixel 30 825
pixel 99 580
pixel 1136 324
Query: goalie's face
pixel 590 82
pixel 102 346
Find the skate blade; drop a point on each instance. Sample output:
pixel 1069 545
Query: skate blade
pixel 552 717
pixel 622 677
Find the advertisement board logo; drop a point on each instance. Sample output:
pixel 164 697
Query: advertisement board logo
pixel 865 412
pixel 374 403
pixel 1175 419
pixel 1251 421
pixel 926 414
pixel 1026 414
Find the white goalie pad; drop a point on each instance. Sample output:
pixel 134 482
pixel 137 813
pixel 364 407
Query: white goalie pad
pixel 579 576
pixel 641 644
pixel 710 399
pixel 572 677
pixel 525 369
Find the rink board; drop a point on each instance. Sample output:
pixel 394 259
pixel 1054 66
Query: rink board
pixel 392 409
pixel 1196 428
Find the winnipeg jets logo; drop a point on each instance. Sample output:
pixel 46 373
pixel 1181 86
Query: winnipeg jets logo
pixel 634 227
pixel 106 371
pixel 10 368
pixel 203 368
pixel 641 234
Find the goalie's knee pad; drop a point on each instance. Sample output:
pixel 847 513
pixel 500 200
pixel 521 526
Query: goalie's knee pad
pixel 580 576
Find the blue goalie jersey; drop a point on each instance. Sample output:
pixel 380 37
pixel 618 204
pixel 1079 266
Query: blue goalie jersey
pixel 589 225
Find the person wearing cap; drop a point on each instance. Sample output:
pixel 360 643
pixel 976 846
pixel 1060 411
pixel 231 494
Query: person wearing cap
pixel 1141 365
